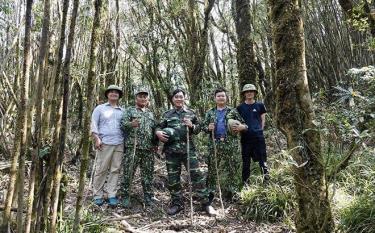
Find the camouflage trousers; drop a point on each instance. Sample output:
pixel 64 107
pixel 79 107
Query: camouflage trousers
pixel 229 163
pixel 144 159
pixel 174 162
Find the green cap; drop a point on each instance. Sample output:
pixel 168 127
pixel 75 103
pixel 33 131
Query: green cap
pixel 249 87
pixel 113 87
pixel 142 90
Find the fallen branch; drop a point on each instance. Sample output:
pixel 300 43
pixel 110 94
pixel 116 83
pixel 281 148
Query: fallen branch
pixel 126 225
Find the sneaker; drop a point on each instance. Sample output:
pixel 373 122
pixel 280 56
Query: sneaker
pixel 174 209
pixel 112 201
pixel 126 202
pixel 210 211
pixel 99 201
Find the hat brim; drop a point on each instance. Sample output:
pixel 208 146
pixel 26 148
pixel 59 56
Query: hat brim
pixel 248 90
pixel 119 92
pixel 145 92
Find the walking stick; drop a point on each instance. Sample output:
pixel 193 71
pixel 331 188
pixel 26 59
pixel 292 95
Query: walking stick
pixel 217 172
pixel 189 177
pixel 134 148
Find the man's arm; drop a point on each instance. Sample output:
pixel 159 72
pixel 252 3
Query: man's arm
pixel 95 118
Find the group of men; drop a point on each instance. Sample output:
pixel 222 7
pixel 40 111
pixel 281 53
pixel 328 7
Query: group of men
pixel 131 137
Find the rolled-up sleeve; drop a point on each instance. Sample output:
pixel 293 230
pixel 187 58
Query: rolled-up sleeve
pixel 95 117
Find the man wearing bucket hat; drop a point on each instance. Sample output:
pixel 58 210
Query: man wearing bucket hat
pixel 108 138
pixel 252 139
pixel 139 124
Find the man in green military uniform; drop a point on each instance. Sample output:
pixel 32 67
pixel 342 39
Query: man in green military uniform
pixel 228 157
pixel 173 132
pixel 139 124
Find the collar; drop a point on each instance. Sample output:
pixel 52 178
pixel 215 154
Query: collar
pixel 108 104
pixel 183 109
pixel 140 109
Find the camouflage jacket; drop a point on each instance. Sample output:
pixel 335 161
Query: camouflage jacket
pixel 174 119
pixel 210 117
pixel 145 133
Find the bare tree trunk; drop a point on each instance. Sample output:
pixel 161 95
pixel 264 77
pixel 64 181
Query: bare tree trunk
pixel 20 141
pixel 245 46
pixel 89 105
pixel 295 117
pixel 64 118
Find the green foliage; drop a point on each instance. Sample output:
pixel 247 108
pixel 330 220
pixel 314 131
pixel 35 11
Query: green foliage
pixel 272 203
pixel 92 223
pixel 360 216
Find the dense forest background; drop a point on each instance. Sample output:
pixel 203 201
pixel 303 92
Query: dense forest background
pixel 312 62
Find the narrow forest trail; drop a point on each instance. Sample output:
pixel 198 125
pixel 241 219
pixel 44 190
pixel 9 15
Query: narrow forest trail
pixel 155 218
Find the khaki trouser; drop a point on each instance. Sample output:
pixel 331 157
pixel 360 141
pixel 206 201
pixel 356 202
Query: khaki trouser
pixel 108 165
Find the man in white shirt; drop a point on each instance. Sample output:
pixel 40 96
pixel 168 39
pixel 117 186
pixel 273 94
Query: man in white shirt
pixel 109 142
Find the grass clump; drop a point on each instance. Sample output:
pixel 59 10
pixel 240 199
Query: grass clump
pixel 359 216
pixel 271 203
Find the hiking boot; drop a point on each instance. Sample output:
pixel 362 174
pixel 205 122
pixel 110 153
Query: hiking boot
pixel 99 201
pixel 210 210
pixel 126 202
pixel 113 201
pixel 174 209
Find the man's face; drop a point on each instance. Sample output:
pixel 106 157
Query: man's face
pixel 221 98
pixel 141 100
pixel 113 95
pixel 250 94
pixel 178 99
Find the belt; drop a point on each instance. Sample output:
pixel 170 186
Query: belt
pixel 221 139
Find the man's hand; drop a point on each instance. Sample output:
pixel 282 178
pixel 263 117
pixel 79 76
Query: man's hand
pixel 162 136
pixel 98 143
pixel 239 128
pixel 134 123
pixel 188 122
pixel 211 126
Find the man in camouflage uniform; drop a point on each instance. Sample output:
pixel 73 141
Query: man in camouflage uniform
pixel 139 124
pixel 228 157
pixel 172 131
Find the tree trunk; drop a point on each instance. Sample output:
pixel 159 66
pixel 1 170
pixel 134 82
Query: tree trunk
pixel 64 94
pixel 198 50
pixel 295 117
pixel 20 139
pixel 245 46
pixel 89 105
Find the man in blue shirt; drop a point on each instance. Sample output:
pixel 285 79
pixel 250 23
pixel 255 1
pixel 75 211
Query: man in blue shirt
pixel 252 139
pixel 109 144
pixel 227 159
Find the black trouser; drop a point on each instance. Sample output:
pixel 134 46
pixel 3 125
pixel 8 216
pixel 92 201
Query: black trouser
pixel 253 148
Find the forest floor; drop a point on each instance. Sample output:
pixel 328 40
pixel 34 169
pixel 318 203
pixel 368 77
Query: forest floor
pixel 139 218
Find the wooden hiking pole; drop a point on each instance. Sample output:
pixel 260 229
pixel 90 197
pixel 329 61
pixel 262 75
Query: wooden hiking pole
pixel 189 177
pixel 217 171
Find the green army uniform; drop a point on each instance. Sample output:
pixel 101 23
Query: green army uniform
pixel 144 140
pixel 228 157
pixel 176 155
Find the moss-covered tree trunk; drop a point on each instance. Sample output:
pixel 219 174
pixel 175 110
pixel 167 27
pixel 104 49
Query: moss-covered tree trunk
pixel 89 105
pixel 245 52
pixel 295 115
